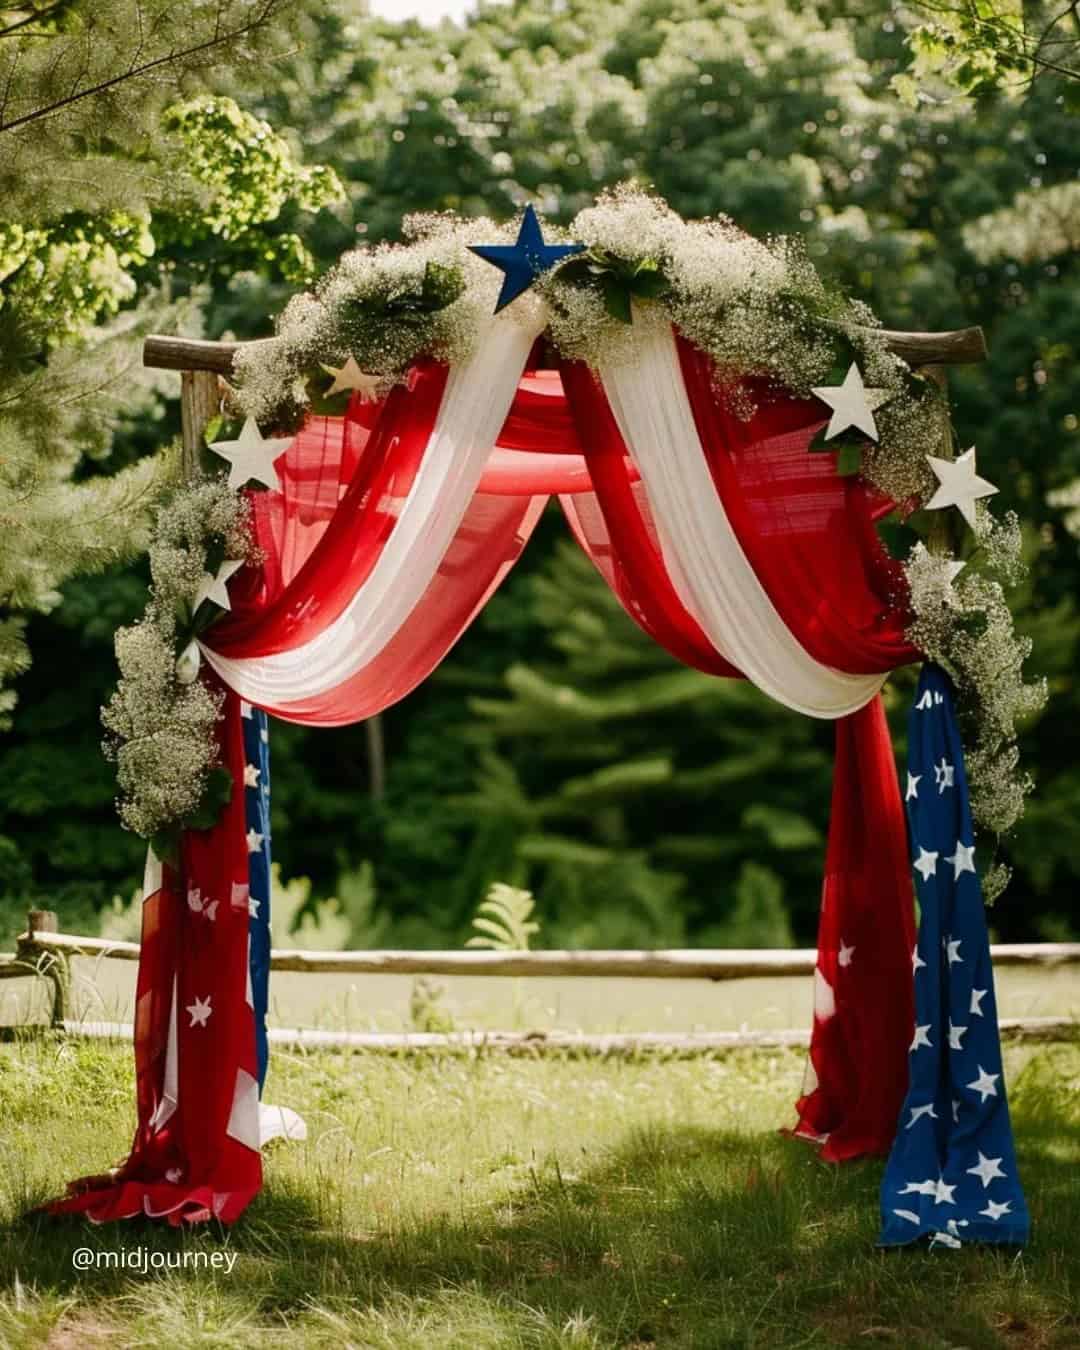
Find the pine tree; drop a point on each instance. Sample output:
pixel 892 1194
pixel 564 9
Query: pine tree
pixel 100 166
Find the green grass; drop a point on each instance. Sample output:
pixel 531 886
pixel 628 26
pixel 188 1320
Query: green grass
pixel 466 1203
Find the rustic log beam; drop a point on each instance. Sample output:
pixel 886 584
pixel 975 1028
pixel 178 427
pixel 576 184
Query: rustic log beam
pixel 570 1043
pixel 959 347
pixel 697 964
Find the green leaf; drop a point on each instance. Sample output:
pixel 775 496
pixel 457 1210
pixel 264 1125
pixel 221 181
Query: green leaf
pixel 218 793
pixel 849 460
pixel 616 298
pixel 166 846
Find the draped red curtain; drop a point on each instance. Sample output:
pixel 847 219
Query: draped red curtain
pixel 810 538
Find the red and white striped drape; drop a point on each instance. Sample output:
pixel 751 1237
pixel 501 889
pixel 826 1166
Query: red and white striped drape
pixel 739 551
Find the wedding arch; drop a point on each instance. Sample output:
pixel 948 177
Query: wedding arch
pixel 723 434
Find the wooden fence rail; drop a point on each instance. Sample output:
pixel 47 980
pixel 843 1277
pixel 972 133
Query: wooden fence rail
pixel 43 951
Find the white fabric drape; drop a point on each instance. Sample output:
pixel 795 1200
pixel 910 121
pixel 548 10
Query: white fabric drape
pixel 475 403
pixel 709 570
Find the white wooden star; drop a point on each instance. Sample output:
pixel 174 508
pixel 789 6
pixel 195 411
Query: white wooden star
pixel 351 377
pixel 926 863
pixel 955 1033
pixel 987 1170
pixel 944 774
pixel 844 955
pixel 963 859
pixel 913 781
pixel 977 996
pixel 994 1210
pixel 213 587
pixel 251 775
pixel 954 567
pixel 852 404
pixel 952 950
pixel 252 456
pixel 199 1011
pixel 984 1085
pixel 959 485
pixel 944 1194
pixel 917 1112
pixel 254 841
pixel 922 1037
pixel 917 963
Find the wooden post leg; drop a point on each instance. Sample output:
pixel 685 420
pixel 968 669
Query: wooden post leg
pixel 52 966
pixel 199 402
pixel 942 537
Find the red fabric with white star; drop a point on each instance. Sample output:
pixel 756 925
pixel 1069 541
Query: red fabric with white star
pixel 792 529
pixel 195 1156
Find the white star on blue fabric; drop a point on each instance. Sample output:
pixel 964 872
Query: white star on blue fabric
pixel 912 786
pixel 955 1033
pixel 963 860
pixel 952 950
pixel 917 1112
pixel 919 1188
pixel 977 996
pixel 943 775
pixel 922 1037
pixel 987 1170
pixel 525 260
pixel 984 1085
pixel 926 863
pixel 994 1211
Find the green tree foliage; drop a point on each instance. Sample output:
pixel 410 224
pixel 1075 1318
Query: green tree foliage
pixel 110 187
pixel 639 802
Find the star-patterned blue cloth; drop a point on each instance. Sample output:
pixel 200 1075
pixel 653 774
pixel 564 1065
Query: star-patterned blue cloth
pixel 257 817
pixel 951 1176
pixel 524 260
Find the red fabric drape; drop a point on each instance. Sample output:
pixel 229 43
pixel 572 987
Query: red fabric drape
pixel 633 564
pixel 808 532
pixel 487 544
pixel 864 1004
pixel 323 533
pixel 201 1159
pixel 810 536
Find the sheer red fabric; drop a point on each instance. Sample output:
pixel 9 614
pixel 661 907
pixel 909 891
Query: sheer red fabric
pixel 623 543
pixel 342 481
pixel 487 544
pixel 197 1155
pixel 865 1011
pixel 808 532
pixel 810 536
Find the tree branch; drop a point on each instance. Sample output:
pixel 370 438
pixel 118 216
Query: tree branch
pixel 135 72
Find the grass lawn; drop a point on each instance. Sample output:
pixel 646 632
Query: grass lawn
pixel 461 1202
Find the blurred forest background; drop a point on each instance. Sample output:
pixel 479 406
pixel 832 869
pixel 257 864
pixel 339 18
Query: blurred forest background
pixel 556 749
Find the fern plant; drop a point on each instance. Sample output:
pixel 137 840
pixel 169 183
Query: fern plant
pixel 504 920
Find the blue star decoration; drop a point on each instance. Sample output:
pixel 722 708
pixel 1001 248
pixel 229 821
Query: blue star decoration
pixel 525 260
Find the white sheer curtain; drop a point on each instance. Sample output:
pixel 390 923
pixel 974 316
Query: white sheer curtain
pixel 707 565
pixel 477 399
